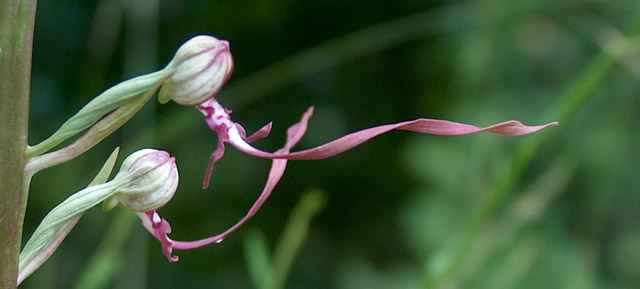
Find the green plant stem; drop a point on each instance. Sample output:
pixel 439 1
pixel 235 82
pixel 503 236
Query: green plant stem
pixel 93 136
pixel 16 39
pixel 124 93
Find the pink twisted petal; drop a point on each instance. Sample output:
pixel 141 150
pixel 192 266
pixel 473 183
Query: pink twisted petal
pixel 215 156
pixel 422 125
pixel 261 133
pixel 160 228
pixel 278 166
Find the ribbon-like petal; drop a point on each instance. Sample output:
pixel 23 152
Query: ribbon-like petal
pixel 160 228
pixel 421 125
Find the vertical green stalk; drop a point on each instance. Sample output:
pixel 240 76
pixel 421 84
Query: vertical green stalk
pixel 16 39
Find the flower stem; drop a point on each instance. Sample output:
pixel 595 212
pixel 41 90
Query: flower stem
pixel 16 38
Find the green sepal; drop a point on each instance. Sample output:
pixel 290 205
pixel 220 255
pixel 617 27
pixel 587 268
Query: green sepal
pixel 163 96
pixel 103 176
pixel 107 168
pixel 110 203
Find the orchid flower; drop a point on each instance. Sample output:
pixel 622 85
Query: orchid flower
pixel 218 118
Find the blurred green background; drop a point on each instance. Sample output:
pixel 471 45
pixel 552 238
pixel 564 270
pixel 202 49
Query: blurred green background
pixel 557 209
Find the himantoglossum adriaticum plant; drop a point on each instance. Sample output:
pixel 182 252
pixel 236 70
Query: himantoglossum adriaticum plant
pixel 193 77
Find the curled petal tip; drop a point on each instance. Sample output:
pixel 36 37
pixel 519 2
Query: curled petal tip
pixel 159 228
pixel 261 133
pixel 516 128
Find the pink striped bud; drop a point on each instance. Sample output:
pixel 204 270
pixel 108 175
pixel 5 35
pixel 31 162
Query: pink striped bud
pixel 148 179
pixel 202 66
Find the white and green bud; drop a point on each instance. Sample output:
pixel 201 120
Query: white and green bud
pixel 147 180
pixel 201 67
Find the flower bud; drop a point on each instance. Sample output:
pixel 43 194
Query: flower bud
pixel 148 179
pixel 202 66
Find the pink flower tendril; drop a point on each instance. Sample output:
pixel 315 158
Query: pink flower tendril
pixel 160 228
pixel 202 66
pixel 219 120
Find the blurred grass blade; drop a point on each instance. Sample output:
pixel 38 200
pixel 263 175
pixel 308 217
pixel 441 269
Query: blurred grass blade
pixel 309 205
pixel 345 48
pixel 578 92
pixel 606 37
pixel 272 274
pixel 256 256
pixel 103 36
pixel 523 212
pixel 108 257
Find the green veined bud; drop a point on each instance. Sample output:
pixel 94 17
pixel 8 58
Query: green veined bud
pixel 147 179
pixel 202 66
